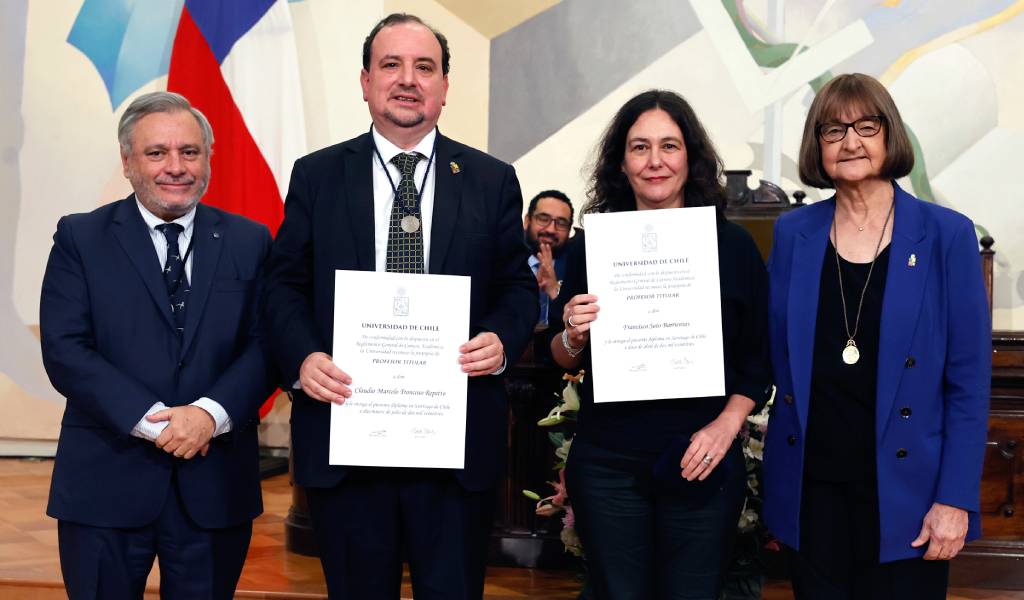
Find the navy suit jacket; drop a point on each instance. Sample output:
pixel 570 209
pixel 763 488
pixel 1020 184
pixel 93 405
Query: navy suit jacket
pixel 110 347
pixel 476 230
pixel 934 369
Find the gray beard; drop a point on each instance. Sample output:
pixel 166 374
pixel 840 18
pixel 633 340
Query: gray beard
pixel 407 123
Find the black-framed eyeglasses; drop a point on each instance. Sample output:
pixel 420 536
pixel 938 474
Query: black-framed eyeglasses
pixel 544 219
pixel 835 131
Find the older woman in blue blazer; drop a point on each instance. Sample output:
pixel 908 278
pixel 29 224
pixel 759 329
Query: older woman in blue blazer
pixel 881 347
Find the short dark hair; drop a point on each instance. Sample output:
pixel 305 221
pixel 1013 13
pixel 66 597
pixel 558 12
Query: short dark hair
pixel 853 91
pixel 609 189
pixel 557 195
pixel 398 19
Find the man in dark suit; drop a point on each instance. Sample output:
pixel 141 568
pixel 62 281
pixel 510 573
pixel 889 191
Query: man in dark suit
pixel 400 198
pixel 149 328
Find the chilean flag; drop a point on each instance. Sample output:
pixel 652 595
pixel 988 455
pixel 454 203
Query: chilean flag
pixel 236 61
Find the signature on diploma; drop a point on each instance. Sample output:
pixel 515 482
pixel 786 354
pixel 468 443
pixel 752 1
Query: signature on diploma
pixel 422 432
pixel 379 433
pixel 680 363
pixel 638 368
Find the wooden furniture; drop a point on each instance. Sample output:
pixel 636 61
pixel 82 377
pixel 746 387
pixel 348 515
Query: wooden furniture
pixel 996 560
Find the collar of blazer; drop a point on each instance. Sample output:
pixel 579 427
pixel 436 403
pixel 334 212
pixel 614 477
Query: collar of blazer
pixel 903 292
pixel 208 238
pixel 358 195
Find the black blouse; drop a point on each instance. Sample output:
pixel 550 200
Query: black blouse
pixel 649 425
pixel 841 415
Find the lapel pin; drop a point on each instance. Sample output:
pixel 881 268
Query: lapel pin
pixel 912 261
pixel 455 167
pixel 216 235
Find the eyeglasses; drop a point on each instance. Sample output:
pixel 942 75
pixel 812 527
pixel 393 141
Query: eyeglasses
pixel 544 219
pixel 835 131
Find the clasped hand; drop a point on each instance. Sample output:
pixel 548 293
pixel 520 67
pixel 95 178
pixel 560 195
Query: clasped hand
pixel 189 430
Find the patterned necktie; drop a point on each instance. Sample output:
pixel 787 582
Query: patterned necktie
pixel 405 248
pixel 174 274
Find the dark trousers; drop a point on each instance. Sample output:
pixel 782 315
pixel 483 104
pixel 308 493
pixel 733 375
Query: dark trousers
pixel 103 563
pixel 643 541
pixel 364 523
pixel 838 556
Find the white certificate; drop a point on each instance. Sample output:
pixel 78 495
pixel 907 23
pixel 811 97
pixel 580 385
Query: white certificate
pixel 659 331
pixel 398 336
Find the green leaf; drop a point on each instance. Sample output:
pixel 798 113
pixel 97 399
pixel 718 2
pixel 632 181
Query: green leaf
pixel 531 495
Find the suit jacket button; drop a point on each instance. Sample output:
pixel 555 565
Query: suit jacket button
pixel 181 364
pixel 901 453
pixel 910 362
pixel 791 440
pixel 788 399
pixel 905 412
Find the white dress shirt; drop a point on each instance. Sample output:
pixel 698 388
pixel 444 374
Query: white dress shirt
pixel 145 429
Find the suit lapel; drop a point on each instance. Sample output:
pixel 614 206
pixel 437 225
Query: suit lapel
pixel 802 311
pixel 207 241
pixel 133 235
pixel 904 286
pixel 447 197
pixel 358 199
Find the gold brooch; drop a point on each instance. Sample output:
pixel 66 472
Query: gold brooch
pixel 455 166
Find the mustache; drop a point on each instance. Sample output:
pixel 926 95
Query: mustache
pixel 187 180
pixel 402 90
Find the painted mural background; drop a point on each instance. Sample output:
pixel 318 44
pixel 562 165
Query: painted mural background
pixel 533 82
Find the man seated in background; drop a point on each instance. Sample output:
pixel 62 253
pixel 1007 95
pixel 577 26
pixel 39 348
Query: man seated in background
pixel 546 226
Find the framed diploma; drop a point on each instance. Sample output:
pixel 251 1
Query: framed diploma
pixel 398 336
pixel 659 332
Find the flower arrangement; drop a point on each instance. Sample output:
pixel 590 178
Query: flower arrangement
pixel 746 574
pixel 565 409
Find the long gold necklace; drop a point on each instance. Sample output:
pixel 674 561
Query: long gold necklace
pixel 850 353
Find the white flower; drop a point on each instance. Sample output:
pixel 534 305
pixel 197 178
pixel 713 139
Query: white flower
pixel 748 519
pixel 754 449
pixel 760 420
pixel 570 397
pixel 563 452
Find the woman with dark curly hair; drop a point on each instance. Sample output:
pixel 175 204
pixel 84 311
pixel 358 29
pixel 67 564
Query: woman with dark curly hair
pixel 657 485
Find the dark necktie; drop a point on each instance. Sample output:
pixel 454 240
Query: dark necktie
pixel 405 248
pixel 174 274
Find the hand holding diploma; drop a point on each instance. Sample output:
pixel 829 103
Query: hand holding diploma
pixel 577 315
pixel 482 355
pixel 322 380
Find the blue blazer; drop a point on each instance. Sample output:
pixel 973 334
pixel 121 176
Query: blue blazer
pixel 110 347
pixel 935 359
pixel 477 230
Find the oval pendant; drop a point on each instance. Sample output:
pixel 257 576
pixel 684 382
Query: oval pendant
pixel 410 224
pixel 850 353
